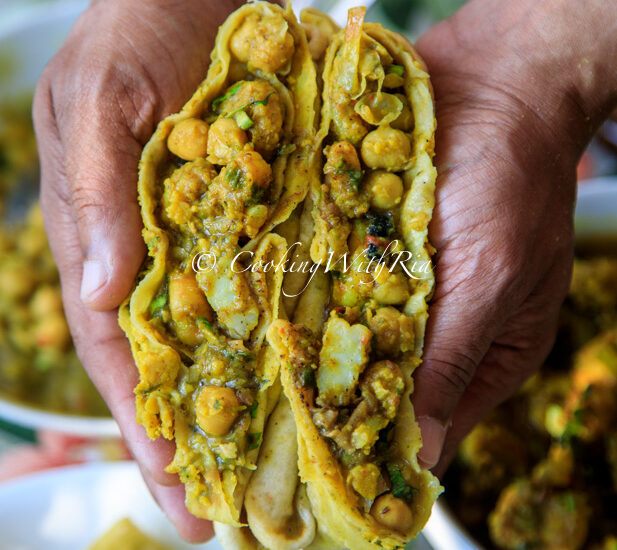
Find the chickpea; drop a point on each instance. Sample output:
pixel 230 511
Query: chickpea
pixel 385 189
pixel 255 169
pixel 393 290
pixel 52 331
pixel 393 513
pixel 187 302
pixel 259 43
pixel 46 300
pixel 405 120
pixel 225 140
pixel 189 139
pixel 216 409
pixel 365 480
pixel 387 149
pixel 392 330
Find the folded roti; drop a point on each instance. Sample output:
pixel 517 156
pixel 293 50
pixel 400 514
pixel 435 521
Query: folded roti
pixel 349 381
pixel 214 181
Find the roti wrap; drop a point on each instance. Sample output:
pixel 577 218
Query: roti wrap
pixel 214 180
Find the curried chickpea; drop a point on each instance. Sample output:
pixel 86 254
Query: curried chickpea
pixel 260 43
pixel 255 169
pixel 225 140
pixel 187 302
pixel 189 139
pixel 393 513
pixel 385 189
pixel 393 290
pixel 216 409
pixel 387 149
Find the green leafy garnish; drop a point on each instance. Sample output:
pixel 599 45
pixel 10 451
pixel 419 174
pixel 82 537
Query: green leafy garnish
pixel 243 120
pixel 235 177
pixel 257 195
pixel 285 149
pixel 149 389
pixel 232 91
pixel 400 489
pixel 253 410
pixel 263 101
pixel 157 305
pixel 355 176
pixel 308 378
pixel 246 355
pixel 396 69
pixel 205 322
pixel 254 439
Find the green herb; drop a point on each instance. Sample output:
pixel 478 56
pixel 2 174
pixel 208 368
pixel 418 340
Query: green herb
pixel 243 120
pixel 217 405
pixel 157 305
pixel 381 226
pixel 400 489
pixel 235 177
pixel 285 149
pixel 308 377
pixel 396 69
pixel 355 176
pixel 232 91
pixel 148 390
pixel 253 410
pixel 205 321
pixel 254 439
pixel 263 101
pixel 246 355
pixel 257 195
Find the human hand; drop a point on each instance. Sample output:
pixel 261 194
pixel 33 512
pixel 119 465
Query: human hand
pixel 519 89
pixel 124 67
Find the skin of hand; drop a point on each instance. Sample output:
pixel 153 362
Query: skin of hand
pixel 520 88
pixel 124 67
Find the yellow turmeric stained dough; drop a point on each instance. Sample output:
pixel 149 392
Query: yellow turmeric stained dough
pixel 349 381
pixel 214 180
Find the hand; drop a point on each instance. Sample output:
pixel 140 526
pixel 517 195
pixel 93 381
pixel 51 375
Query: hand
pixel 123 68
pixel 519 91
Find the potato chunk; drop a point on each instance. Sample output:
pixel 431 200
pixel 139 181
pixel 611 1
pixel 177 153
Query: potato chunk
pixel 342 359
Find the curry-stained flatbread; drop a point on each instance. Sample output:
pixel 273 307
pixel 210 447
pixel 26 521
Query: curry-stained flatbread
pixel 214 180
pixel 349 382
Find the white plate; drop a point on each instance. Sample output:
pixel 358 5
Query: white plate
pixel 69 508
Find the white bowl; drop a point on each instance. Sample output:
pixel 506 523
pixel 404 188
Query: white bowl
pixel 29 35
pixel 596 215
pixel 68 508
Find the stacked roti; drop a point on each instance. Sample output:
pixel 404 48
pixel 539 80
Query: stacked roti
pixel 287 391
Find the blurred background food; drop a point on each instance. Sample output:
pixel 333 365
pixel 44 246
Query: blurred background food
pixel 541 471
pixel 38 364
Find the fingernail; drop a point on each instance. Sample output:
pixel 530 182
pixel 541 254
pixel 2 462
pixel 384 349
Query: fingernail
pixel 93 278
pixel 433 436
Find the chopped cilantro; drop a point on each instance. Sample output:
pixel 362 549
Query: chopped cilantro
pixel 235 177
pixel 257 195
pixel 396 69
pixel 157 305
pixel 254 439
pixel 285 149
pixel 253 410
pixel 246 355
pixel 232 91
pixel 243 120
pixel 217 405
pixel 355 176
pixel 380 226
pixel 373 252
pixel 205 321
pixel 400 489
pixel 308 377
pixel 263 101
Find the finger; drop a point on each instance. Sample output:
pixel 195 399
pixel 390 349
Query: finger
pixel 171 501
pixel 516 354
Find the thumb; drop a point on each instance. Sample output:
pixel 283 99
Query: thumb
pixel 101 171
